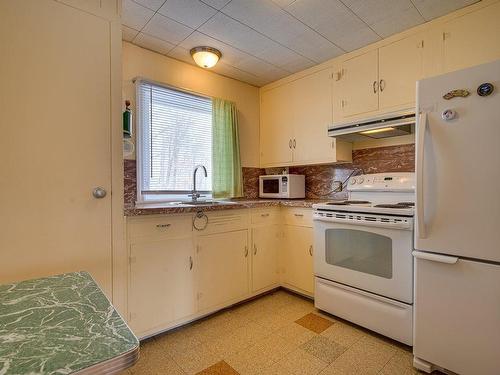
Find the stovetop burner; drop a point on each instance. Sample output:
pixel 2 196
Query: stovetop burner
pixel 348 203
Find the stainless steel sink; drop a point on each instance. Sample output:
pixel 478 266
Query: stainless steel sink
pixel 206 203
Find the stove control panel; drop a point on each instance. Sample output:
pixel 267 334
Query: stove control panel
pixel 396 181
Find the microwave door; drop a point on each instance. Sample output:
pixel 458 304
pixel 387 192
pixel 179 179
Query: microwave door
pixel 271 186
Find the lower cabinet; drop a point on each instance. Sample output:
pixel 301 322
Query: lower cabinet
pixel 265 252
pixel 298 258
pixel 222 268
pixel 162 285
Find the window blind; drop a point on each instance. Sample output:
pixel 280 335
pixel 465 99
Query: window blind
pixel 176 135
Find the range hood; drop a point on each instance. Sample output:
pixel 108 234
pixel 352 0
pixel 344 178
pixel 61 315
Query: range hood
pixel 389 125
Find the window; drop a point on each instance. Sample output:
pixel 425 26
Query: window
pixel 174 135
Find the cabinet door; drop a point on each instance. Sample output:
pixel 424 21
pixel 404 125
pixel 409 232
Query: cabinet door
pixel 400 66
pixel 222 268
pixel 162 285
pixel 276 126
pixel 359 84
pixel 472 39
pixel 312 106
pixel 265 250
pixel 297 256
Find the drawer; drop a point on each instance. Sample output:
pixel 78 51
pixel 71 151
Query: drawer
pixel 265 215
pixel 297 216
pixel 222 221
pixel 165 226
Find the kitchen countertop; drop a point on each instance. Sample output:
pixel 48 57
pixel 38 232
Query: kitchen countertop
pixel 167 208
pixel 61 325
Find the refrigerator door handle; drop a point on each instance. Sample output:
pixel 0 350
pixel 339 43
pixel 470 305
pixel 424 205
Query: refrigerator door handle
pixel 421 128
pixel 435 257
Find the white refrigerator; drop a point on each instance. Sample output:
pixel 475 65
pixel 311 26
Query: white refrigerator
pixel 457 234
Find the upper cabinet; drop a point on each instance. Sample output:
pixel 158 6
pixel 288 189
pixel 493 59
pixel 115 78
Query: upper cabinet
pixel 380 79
pixel 472 39
pixel 294 122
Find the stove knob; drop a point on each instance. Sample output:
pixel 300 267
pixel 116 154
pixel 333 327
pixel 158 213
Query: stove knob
pixel 360 179
pixel 352 181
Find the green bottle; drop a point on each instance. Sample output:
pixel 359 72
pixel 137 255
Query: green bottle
pixel 127 120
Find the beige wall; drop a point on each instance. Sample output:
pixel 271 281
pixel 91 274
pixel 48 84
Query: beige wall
pixel 139 62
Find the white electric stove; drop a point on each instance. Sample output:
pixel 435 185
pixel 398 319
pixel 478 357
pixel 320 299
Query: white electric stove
pixel 363 261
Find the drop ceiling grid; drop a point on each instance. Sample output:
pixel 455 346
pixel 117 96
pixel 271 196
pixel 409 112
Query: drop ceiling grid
pixel 265 40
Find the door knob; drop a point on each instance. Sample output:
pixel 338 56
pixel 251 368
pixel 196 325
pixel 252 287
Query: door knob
pixel 99 192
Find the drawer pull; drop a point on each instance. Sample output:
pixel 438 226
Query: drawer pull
pixel 264 215
pixel 299 215
pixel 190 263
pixel 311 250
pixel 254 249
pixel 162 225
pixel 246 251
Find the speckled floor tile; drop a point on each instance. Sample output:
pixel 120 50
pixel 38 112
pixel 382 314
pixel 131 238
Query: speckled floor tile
pixel 323 348
pixel 196 359
pixel 153 361
pixel 297 362
pixel 400 364
pixel 176 342
pixel 364 357
pixel 314 322
pixel 238 339
pixel 220 368
pixel 295 333
pixel 343 334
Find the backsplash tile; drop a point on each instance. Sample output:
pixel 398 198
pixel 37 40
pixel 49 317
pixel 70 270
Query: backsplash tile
pixel 320 179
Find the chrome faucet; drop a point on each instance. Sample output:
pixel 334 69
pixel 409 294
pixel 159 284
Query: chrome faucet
pixel 194 194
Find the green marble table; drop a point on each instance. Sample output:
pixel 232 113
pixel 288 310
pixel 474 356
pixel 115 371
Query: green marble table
pixel 62 325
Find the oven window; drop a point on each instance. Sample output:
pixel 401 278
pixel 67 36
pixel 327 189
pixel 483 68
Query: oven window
pixel 271 185
pixel 359 251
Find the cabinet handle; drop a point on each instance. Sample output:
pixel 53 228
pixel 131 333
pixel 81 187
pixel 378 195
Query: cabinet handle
pixel 264 215
pixel 290 144
pixel 375 87
pixel 190 263
pixel 254 249
pixel 246 251
pixel 311 250
pixel 382 85
pixel 294 143
pixel 299 215
pixel 162 225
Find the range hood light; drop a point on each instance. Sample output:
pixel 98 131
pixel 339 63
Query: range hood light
pixel 377 131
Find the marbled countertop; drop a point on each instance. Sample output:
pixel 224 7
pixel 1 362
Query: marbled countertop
pixel 165 208
pixel 61 325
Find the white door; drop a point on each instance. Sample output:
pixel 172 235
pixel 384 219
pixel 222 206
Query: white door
pixel 458 174
pixel 297 255
pixel 222 268
pixel 265 251
pixel 162 285
pixel 312 110
pixel 457 314
pixel 56 145
pixel 359 84
pixel 400 66
pixel 373 259
pixel 472 39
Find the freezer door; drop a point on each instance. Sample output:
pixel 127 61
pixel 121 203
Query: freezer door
pixel 458 165
pixel 457 314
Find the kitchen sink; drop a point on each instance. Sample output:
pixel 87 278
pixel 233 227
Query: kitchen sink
pixel 206 203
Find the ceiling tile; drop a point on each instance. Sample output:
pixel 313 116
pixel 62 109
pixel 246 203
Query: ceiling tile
pixel 154 44
pixel 128 33
pixel 236 34
pixel 283 3
pixel 386 17
pixel 167 29
pixel 278 25
pixel 432 8
pixel 151 4
pixel 217 4
pixel 189 12
pixel 335 21
pixel 135 15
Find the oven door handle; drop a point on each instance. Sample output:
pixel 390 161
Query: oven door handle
pixel 402 225
pixel 435 257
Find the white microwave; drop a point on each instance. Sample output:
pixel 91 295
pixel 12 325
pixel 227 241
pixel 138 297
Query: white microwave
pixel 283 186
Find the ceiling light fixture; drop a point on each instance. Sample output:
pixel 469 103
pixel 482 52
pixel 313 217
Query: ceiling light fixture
pixel 206 57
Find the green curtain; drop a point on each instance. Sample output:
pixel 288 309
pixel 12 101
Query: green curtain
pixel 227 180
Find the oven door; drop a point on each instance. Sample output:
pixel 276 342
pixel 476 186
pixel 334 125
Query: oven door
pixel 375 257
